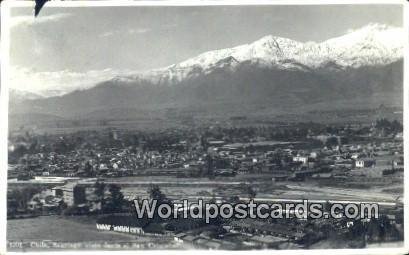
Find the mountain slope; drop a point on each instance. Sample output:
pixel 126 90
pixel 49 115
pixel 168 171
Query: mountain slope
pixel 271 75
pixel 18 95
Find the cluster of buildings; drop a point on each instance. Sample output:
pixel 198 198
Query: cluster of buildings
pixel 322 155
pixel 217 158
pixel 194 233
pixel 246 234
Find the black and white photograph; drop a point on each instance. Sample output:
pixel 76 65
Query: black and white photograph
pixel 204 125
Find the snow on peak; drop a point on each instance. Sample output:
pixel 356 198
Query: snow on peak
pixel 268 48
pixel 374 44
pixel 370 45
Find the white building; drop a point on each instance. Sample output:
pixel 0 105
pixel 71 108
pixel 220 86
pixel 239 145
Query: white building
pixel 361 163
pixel 301 159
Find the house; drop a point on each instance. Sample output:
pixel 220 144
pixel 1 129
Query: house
pixel 33 205
pixel 243 170
pixel 301 159
pixel 365 162
pixel 392 218
pixel 123 224
pixel 262 228
pixel 72 193
pixel 179 237
pixel 189 238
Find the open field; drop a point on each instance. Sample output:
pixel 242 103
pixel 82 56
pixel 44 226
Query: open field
pixel 75 230
pixel 59 228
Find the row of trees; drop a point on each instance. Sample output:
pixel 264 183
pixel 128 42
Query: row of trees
pixel 389 127
pixel 376 230
pixel 114 201
pixel 18 198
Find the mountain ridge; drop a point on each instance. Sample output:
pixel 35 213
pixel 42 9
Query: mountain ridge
pixel 374 44
pixel 270 75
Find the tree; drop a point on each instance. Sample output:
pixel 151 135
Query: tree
pixel 389 127
pixel 79 194
pixel 209 162
pixel 234 199
pixel 17 153
pixel 88 169
pixel 116 200
pixel 358 231
pixel 22 196
pixel 99 191
pixel 213 200
pixel 156 194
pixel 251 192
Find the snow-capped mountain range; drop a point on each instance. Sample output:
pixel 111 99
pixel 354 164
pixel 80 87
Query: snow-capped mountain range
pixel 372 45
pixel 361 69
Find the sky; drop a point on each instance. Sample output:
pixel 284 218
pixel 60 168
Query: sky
pixel 76 47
